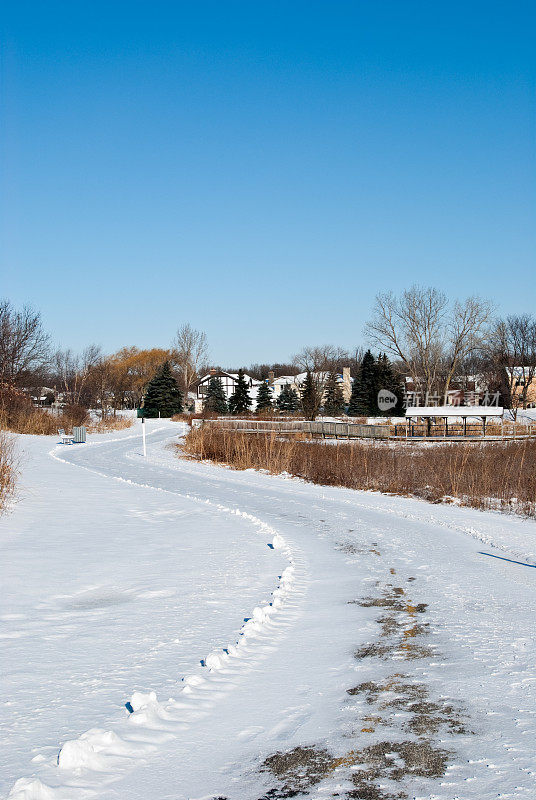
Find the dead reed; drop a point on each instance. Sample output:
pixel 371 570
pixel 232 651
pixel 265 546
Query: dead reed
pixel 498 475
pixel 117 423
pixel 39 421
pixel 8 469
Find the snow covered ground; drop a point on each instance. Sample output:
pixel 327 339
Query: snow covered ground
pixel 297 639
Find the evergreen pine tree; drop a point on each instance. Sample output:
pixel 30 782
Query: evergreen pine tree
pixel 264 397
pixel 397 387
pixel 163 397
pixel 363 398
pixel 215 400
pixel 333 397
pixel 240 401
pixel 310 400
pixel 357 406
pixel 288 400
pixel 387 378
pixel 369 384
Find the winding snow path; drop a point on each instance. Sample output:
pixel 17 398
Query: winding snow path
pixel 122 574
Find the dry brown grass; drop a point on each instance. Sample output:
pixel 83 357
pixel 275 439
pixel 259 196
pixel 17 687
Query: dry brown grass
pixel 494 475
pixel 8 469
pixel 110 424
pixel 18 415
pixel 41 422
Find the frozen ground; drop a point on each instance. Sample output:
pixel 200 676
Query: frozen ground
pixel 397 657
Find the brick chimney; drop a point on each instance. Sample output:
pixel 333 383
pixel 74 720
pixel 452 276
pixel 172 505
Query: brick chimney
pixel 346 384
pixel 271 378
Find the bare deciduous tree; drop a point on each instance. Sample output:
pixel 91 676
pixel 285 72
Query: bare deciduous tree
pixel 319 362
pixel 24 345
pixel 323 358
pixel 72 371
pixel 513 346
pixel 429 336
pixel 410 328
pixel 467 327
pixel 190 351
pixel 101 384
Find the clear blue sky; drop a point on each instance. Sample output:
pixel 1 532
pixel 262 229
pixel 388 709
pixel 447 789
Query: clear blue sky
pixel 262 169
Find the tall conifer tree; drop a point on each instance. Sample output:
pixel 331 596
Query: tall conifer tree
pixel 163 397
pixel 264 397
pixel 240 401
pixel 388 378
pixel 215 400
pixel 288 400
pixel 363 398
pixel 310 400
pixel 333 397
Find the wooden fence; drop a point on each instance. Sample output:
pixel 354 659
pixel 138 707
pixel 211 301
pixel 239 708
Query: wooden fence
pixel 466 431
pixel 456 431
pixel 337 430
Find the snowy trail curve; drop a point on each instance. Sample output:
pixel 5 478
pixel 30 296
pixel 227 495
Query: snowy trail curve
pixel 289 685
pixel 95 748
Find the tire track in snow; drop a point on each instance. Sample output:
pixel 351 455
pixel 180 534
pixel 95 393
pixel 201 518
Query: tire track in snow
pixel 98 757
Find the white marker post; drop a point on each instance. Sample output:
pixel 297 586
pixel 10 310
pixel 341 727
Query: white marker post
pixel 143 434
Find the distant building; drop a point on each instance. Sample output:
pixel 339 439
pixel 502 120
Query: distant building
pixel 465 390
pixel 296 381
pixel 42 396
pixel 230 379
pixel 228 382
pixel 522 378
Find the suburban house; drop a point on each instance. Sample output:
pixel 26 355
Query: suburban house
pixel 296 381
pixel 467 390
pixel 277 384
pixel 521 379
pixel 42 396
pixel 228 381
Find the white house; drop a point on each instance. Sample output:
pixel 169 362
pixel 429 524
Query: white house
pixel 230 379
pixel 296 381
pixel 228 382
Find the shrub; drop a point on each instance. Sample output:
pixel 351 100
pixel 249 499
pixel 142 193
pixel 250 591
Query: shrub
pixel 17 414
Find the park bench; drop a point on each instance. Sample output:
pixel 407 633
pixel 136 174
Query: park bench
pixel 65 438
pixel 78 436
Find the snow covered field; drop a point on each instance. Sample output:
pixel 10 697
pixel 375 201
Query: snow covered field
pixel 391 650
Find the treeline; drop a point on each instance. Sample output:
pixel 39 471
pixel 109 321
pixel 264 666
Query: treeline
pixel 30 367
pixel 422 340
pixel 320 391
pixel 439 345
